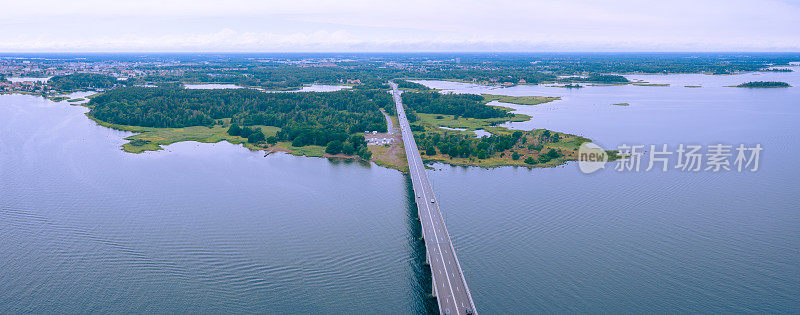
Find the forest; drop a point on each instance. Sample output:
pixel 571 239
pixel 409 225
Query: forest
pixel 462 105
pixel 764 84
pixel 403 84
pixel 274 76
pixel 292 71
pixel 81 81
pixel 353 145
pixel 305 117
pixel 467 146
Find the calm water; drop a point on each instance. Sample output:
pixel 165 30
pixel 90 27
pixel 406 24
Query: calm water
pixel 216 228
pixel 196 228
pixel 305 88
pixel 557 240
pixel 27 79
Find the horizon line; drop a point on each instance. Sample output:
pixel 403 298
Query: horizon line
pixel 401 52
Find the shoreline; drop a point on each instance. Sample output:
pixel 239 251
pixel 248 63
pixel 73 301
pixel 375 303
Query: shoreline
pixel 384 156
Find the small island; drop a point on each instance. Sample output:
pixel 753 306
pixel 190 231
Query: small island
pixel 58 98
pixel 651 84
pixel 764 84
pixel 519 100
pixel 777 70
pixel 445 128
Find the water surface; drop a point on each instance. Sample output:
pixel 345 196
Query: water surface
pixel 305 88
pixel 559 241
pixel 27 79
pixel 206 228
pixel 199 228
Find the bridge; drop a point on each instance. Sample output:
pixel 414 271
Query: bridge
pixel 449 286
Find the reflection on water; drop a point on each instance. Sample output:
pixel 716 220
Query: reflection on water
pixel 482 133
pixel 216 228
pixel 306 88
pixel 421 271
pixel 211 86
pixel 27 79
pixel 202 228
pixel 559 241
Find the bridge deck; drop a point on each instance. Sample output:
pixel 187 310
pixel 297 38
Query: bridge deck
pixel 449 285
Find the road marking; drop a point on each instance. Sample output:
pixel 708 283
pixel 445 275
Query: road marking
pixel 410 147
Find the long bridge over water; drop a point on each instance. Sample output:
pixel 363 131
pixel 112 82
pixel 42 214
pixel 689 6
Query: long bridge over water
pixel 449 286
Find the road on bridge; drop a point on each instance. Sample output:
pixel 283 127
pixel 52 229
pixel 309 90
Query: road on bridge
pixel 449 285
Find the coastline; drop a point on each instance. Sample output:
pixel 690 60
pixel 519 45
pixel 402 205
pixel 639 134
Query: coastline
pixel 152 139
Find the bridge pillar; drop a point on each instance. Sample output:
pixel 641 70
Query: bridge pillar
pixel 427 256
pixel 433 286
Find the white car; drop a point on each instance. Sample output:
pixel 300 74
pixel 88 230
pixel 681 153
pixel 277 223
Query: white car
pixel 433 200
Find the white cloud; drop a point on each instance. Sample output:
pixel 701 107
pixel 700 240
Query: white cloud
pixel 413 25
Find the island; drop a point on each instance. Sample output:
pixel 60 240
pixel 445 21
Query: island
pixel 339 124
pixel 445 127
pixel 299 123
pixel 519 100
pixel 764 84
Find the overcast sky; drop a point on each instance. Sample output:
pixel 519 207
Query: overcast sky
pixel 409 25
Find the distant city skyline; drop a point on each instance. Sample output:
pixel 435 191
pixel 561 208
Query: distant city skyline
pixel 369 26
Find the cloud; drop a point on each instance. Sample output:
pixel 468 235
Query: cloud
pixel 412 25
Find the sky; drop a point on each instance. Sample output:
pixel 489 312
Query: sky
pixel 398 26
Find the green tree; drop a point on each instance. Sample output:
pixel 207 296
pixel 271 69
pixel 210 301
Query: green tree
pixel 234 130
pixel 256 136
pixel 530 160
pixel 358 141
pixel 546 134
pixel 348 148
pixel 430 151
pixel 334 147
pixel 544 158
pixel 365 153
pixel 535 147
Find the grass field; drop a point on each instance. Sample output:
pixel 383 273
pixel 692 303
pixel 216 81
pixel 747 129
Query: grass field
pixel 58 98
pixel 470 124
pixel 151 139
pixel 392 156
pixel 309 150
pixel 519 100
